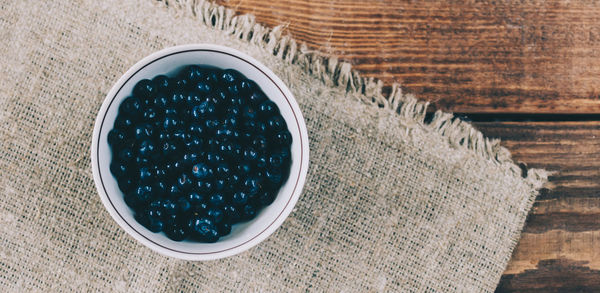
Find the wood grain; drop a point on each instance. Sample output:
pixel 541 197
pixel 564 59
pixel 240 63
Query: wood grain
pixel 490 57
pixel 571 148
pixel 557 251
pixel 467 56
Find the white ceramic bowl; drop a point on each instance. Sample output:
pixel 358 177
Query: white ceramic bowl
pixel 244 235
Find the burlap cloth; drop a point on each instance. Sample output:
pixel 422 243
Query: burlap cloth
pixel 391 203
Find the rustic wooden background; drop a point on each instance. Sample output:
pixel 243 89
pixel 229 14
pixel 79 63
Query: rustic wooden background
pixel 527 72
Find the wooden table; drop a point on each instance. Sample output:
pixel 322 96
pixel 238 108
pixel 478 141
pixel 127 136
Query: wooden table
pixel 527 72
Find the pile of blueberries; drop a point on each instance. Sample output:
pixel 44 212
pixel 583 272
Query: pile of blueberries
pixel 198 152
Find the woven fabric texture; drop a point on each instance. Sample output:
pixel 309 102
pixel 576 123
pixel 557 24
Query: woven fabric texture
pixel 391 203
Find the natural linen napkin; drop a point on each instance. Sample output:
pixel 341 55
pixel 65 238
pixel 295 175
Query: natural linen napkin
pixel 392 203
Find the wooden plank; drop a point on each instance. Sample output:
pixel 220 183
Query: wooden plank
pixel 572 149
pixel 558 249
pixel 481 56
pixel 490 57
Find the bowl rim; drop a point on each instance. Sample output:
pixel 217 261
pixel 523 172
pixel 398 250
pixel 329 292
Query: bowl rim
pixel 227 251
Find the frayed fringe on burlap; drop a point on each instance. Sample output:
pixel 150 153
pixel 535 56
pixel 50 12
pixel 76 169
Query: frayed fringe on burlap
pixel 332 72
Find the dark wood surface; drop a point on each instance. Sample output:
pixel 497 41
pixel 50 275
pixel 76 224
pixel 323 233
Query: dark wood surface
pixel 527 72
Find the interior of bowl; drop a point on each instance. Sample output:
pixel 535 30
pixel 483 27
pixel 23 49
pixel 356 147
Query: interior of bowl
pixel 242 234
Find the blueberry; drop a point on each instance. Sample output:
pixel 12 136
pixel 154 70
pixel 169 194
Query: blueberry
pixel 226 148
pixel 274 177
pixel 138 160
pixel 234 180
pixel 204 110
pixel 213 143
pixel 250 127
pixel 237 152
pixel 266 198
pixel 192 73
pixel 231 120
pixel 144 89
pixel 197 130
pixel 284 153
pixel 234 111
pixel 164 136
pixel 156 204
pixel 232 213
pixel 123 122
pixel 204 186
pixel 151 219
pixel 179 136
pixel 173 191
pixel 250 154
pixel 243 168
pixel 176 233
pixel 202 171
pixel 119 169
pixel 261 162
pixel 275 160
pixel 247 86
pixel 171 123
pixel 215 214
pixel 193 98
pixel 168 148
pixel 149 114
pixel 195 198
pixel 233 89
pixel 248 112
pixel 257 98
pixel 236 101
pixel 193 143
pixel 251 185
pixel 177 99
pixel 220 185
pixel 155 225
pixel 183 205
pixel 162 83
pixel 125 184
pixel 283 138
pixel 248 212
pixel 199 209
pixel 211 124
pixel 181 83
pixel 203 229
pixel 275 123
pixel 144 174
pixel 146 148
pixel 224 228
pixel 171 112
pixel 169 207
pixel 160 101
pixel 125 155
pixel 203 87
pixel 214 158
pixel 240 198
pixel 131 200
pixel 174 168
pixel 184 182
pixel 159 172
pixel 267 108
pixel 131 107
pixel 224 132
pixel 223 170
pixel 216 200
pixel 190 158
pixel 230 76
pixel 159 188
pixel 259 142
pixel 143 131
pixel 142 193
